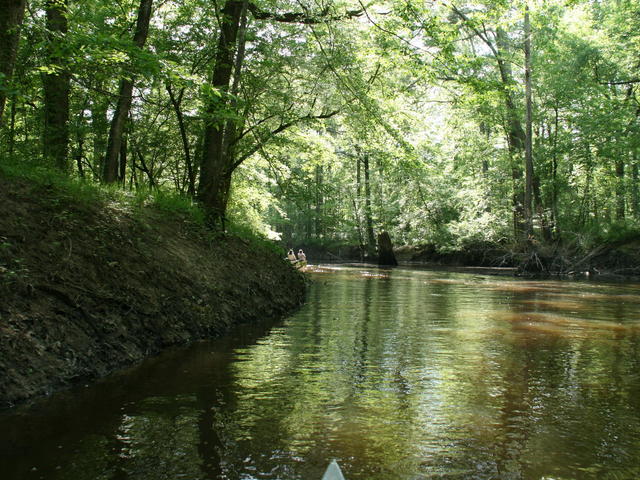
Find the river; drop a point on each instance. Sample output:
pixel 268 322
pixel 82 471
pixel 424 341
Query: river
pixel 398 374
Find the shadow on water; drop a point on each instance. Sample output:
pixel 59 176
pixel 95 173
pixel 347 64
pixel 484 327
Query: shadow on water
pixel 397 373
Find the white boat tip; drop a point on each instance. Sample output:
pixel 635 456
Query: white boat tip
pixel 333 472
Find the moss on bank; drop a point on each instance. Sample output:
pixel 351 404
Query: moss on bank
pixel 89 284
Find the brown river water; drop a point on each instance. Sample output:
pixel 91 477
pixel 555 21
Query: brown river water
pixel 398 374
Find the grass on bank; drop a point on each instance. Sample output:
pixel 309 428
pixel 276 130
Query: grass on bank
pixel 88 193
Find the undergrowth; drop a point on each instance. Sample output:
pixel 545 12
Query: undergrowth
pixel 87 193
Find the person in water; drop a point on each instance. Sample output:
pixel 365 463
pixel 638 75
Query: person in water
pixel 292 256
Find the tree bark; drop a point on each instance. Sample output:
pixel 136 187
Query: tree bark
pixel 11 16
pixel 12 128
pixel 620 190
pixel 515 133
pixel 528 146
pixel 319 202
pixel 56 85
pixel 216 166
pixel 99 130
pixel 554 175
pixel 357 204
pixel 385 250
pixel 220 158
pixel 79 130
pixel 79 154
pixel 116 131
pixel 122 174
pixel 635 196
pixel 371 239
pixel 176 102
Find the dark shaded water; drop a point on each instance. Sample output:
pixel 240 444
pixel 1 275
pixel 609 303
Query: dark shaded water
pixel 402 374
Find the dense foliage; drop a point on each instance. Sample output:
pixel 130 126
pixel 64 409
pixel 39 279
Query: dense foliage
pixel 329 122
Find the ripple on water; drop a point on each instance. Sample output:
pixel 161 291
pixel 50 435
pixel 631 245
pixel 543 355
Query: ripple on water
pixel 398 374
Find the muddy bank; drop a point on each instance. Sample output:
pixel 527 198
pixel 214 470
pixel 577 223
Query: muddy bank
pixel 88 287
pixel 618 259
pixel 484 255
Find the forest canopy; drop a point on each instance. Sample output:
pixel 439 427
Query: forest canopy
pixel 450 123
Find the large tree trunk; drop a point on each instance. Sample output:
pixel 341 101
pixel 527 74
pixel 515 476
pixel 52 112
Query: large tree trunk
pixel 116 131
pixel 385 250
pixel 11 15
pixel 216 166
pixel 56 88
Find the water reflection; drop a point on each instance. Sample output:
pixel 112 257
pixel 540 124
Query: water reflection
pixel 399 374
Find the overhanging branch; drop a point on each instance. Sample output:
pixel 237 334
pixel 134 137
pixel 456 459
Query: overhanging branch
pixel 281 128
pixel 301 17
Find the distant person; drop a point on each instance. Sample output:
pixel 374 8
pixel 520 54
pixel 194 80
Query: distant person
pixel 302 258
pixel 292 256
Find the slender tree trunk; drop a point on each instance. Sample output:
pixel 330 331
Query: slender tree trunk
pixel 99 131
pixel 513 126
pixel 620 189
pixel 25 123
pixel 116 131
pixel 56 88
pixel 583 215
pixel 122 173
pixel 319 201
pixel 486 131
pixel 515 134
pixel 80 131
pixel 554 176
pixel 635 196
pixel 528 147
pixel 216 163
pixel 79 154
pixel 143 166
pixel 540 210
pixel 371 239
pixel 133 178
pixel 12 128
pixel 358 207
pixel 176 102
pixel 11 15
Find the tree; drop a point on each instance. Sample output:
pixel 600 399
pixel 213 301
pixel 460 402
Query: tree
pixel 11 15
pixel 227 142
pixel 528 153
pixel 125 96
pixel 56 85
pixel 216 166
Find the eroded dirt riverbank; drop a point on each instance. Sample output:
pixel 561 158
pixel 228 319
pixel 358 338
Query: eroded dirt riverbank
pixel 90 287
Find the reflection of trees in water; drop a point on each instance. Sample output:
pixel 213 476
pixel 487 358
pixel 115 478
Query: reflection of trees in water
pixel 397 376
pixel 563 397
pixel 158 440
